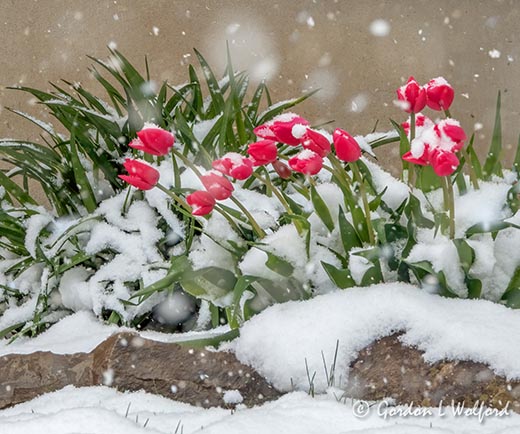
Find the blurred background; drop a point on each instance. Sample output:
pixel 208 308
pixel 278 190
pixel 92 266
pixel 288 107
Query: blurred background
pixel 357 52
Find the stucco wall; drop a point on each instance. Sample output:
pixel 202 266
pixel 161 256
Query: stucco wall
pixel 298 44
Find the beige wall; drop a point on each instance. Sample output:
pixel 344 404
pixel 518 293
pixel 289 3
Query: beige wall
pixel 299 44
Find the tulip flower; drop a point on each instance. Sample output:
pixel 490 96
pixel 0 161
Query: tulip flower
pixel 316 142
pixel 444 163
pixel 153 140
pixel 421 122
pixel 422 160
pixel 140 175
pixel 263 152
pixel 217 185
pixel 306 162
pixel 234 165
pixel 280 129
pixel 347 149
pixel 201 202
pixel 281 169
pixel 413 95
pixel 451 134
pixel 439 94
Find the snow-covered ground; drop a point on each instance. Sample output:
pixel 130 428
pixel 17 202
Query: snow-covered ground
pixel 444 328
pixel 100 410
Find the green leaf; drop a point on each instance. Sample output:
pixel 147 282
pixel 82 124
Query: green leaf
pixel 487 227
pixel 85 190
pixel 321 209
pixel 516 162
pixel 210 283
pixel 492 164
pixel 340 277
pixel 279 265
pixel 349 236
pixel 466 254
pixel 404 143
pixel 15 191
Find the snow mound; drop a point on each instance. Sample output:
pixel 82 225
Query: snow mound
pixel 278 341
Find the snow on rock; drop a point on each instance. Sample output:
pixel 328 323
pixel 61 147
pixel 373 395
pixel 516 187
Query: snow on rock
pixel 298 331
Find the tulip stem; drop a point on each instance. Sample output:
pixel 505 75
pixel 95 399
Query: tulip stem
pixel 174 196
pixel 412 127
pixel 267 182
pixel 447 113
pixel 256 227
pixel 449 203
pixel 364 198
pixel 176 174
pixel 187 162
pixel 230 220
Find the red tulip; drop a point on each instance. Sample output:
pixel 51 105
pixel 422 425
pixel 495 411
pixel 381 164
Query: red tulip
pixel 439 94
pixel 449 130
pixel 217 185
pixel 281 169
pixel 234 165
pixel 201 202
pixel 316 142
pixel 280 129
pixel 347 149
pixel 306 162
pixel 444 163
pixel 412 94
pixel 153 140
pixel 263 152
pixel 141 175
pixel 423 160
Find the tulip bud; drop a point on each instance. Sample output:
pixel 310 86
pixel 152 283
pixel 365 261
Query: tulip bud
pixel 263 152
pixel 316 142
pixel 413 95
pixel 439 94
pixel 444 163
pixel 201 202
pixel 140 175
pixel 153 140
pixel 347 149
pixel 234 165
pixel 217 185
pixel 306 162
pixel 281 169
pixel 280 129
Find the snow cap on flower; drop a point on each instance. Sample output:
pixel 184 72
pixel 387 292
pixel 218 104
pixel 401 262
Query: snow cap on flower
pixel 263 152
pixel 217 185
pixel 316 142
pixel 201 202
pixel 153 140
pixel 280 129
pixel 306 162
pixel 452 135
pixel 347 149
pixel 444 163
pixel 140 174
pixel 413 95
pixel 422 122
pixel 439 94
pixel 234 165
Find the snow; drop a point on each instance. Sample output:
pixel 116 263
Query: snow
pixel 354 318
pixel 380 27
pixel 358 316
